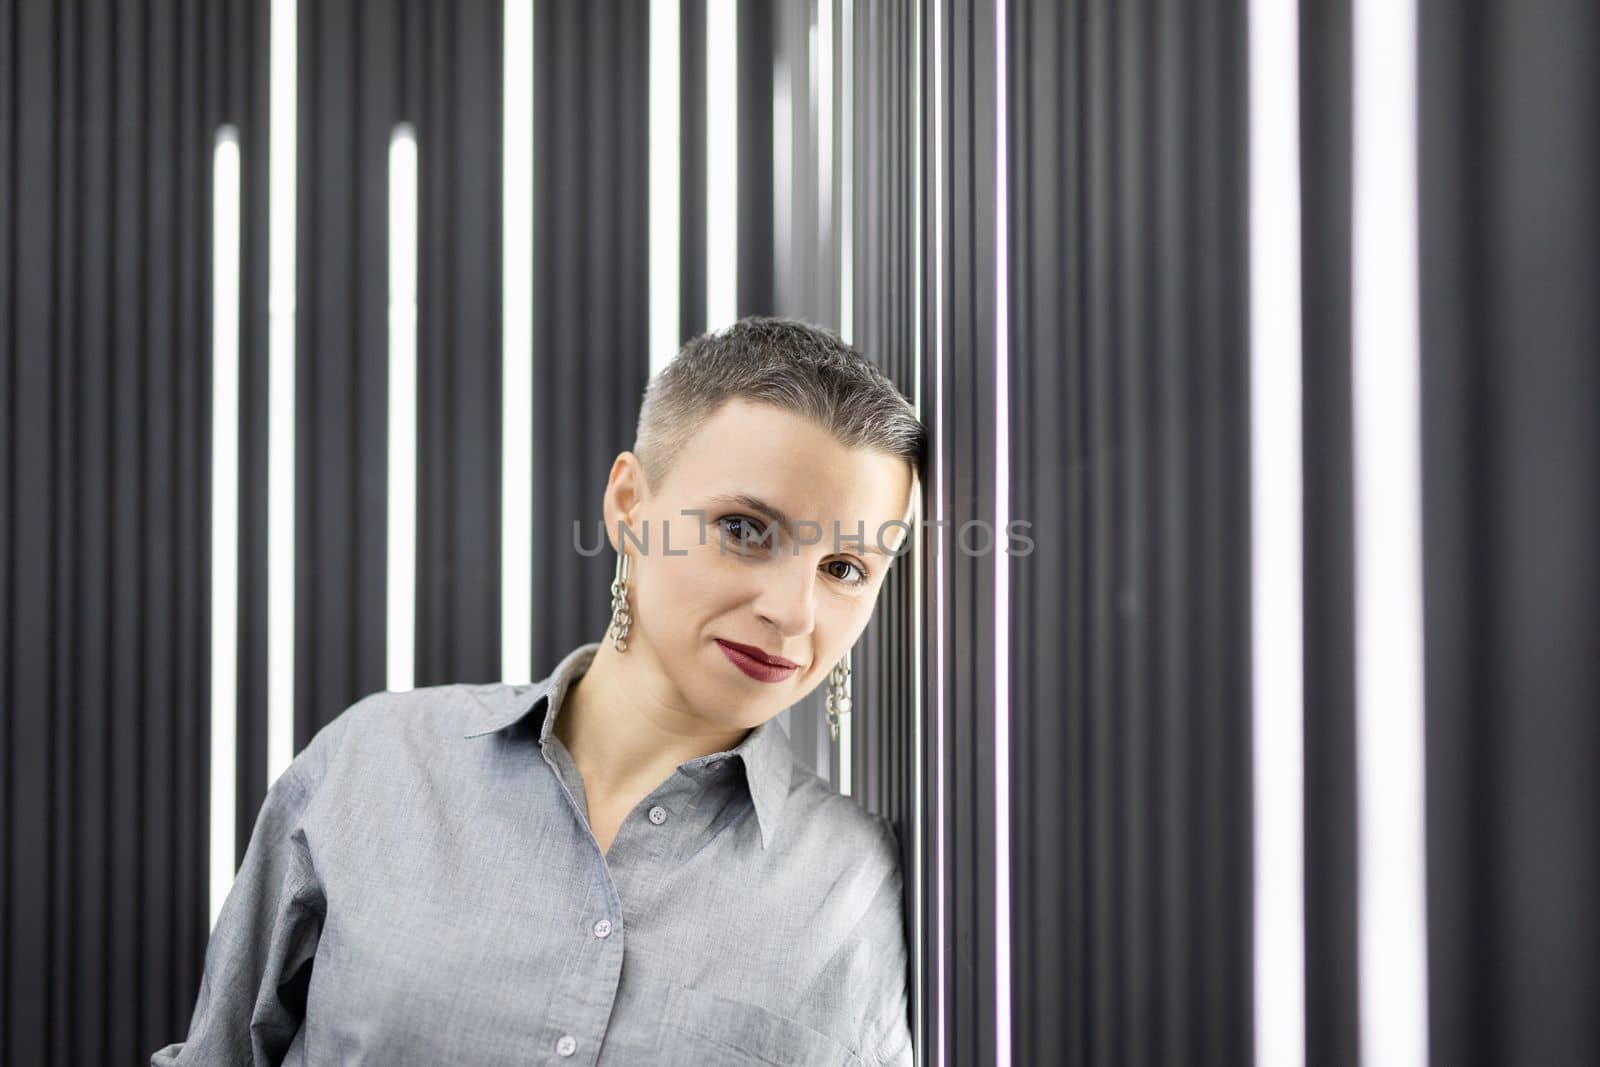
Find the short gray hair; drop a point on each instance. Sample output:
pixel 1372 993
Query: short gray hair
pixel 791 365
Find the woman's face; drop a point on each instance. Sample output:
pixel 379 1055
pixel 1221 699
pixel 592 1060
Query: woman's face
pixel 803 593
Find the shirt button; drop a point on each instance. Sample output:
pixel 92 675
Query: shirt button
pixel 658 815
pixel 567 1045
pixel 602 928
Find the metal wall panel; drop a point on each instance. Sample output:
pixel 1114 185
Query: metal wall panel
pixel 885 74
pixel 349 65
pixel 1331 854
pixel 106 127
pixel 1130 629
pixel 961 354
pixel 590 298
pixel 1510 268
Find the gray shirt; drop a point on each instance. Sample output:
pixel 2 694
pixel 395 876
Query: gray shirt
pixel 422 887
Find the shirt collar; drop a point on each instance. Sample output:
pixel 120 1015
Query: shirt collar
pixel 765 753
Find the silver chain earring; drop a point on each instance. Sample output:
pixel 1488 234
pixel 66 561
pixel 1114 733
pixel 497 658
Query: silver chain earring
pixel 621 617
pixel 838 694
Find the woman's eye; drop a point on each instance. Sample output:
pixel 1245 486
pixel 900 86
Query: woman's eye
pixel 741 532
pixel 747 536
pixel 859 579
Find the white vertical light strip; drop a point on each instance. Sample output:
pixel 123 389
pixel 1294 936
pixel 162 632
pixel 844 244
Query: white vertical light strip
pixel 941 516
pixel 665 171
pixel 283 99
pixel 847 265
pixel 1002 569
pixel 402 551
pixel 516 357
pixel 224 512
pixel 1274 91
pixel 1385 357
pixel 722 163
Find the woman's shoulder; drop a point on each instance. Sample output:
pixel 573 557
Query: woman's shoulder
pixel 432 709
pixel 837 824
pixel 385 725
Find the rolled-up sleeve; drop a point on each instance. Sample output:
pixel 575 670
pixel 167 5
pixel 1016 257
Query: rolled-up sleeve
pixel 258 959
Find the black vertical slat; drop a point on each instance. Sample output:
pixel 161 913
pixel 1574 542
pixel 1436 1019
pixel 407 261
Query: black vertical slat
pixel 1164 1000
pixel 883 228
pixel 622 282
pixel 475 220
pixel 246 78
pixel 66 352
pixel 968 415
pixel 631 249
pixel 1331 860
pixel 562 254
pixel 595 438
pixel 1130 746
pixel 33 560
pixel 757 295
pixel 428 93
pixel 1033 96
pixel 692 183
pixel 785 54
pixel 1100 859
pixel 591 313
pixel 1176 137
pixel 1466 926
pixel 339 640
pixel 1227 949
pixel 11 26
pixel 1509 157
pixel 129 633
pixel 161 227
pixel 9 361
pixel 372 73
pixel 9 370
pixel 92 647
pixel 1134 585
pixel 192 799
pixel 868 684
pixel 330 600
pixel 1073 521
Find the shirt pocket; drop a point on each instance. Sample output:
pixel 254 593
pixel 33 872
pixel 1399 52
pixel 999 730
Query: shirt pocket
pixel 711 1030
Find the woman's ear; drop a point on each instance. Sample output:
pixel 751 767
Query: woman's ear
pixel 623 496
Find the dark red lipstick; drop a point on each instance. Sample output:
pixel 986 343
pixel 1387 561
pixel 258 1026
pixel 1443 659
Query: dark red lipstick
pixel 762 666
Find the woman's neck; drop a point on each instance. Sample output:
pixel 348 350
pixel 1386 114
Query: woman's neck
pixel 627 727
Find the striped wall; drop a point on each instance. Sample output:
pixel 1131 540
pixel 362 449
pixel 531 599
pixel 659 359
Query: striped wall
pixel 1510 335
pixel 1268 611
pixel 1130 622
pixel 107 121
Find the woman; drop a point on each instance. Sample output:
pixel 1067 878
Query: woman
pixel 622 863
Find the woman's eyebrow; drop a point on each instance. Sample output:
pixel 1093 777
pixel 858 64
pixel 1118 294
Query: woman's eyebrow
pixel 753 503
pixel 777 514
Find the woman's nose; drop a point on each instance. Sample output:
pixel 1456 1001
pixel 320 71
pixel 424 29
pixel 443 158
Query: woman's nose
pixel 788 597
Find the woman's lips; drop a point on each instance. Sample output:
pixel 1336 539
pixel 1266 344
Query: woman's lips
pixel 746 660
